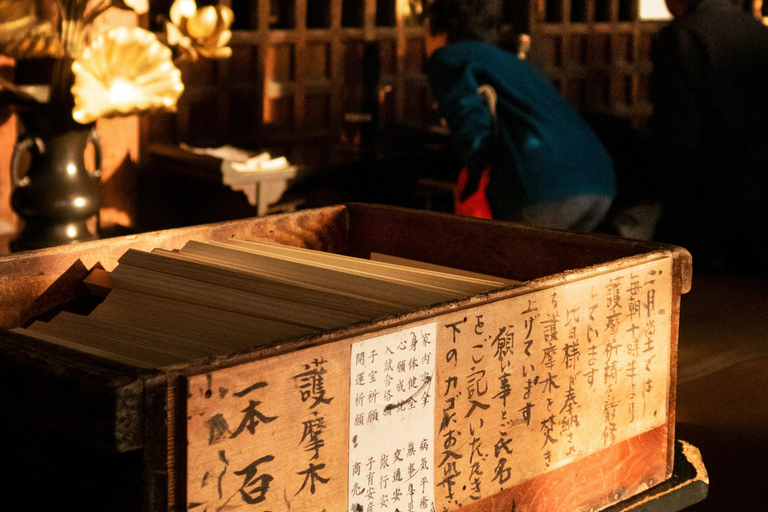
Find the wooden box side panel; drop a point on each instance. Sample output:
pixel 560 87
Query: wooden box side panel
pixel 589 484
pixel 509 250
pixel 505 249
pixel 25 276
pixel 552 399
pixel 79 396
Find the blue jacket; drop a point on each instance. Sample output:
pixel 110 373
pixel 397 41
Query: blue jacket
pixel 539 148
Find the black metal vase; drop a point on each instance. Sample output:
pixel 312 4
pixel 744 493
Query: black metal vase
pixel 57 199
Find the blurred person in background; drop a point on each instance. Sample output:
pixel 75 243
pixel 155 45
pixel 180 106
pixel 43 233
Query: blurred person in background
pixel 709 133
pixel 527 149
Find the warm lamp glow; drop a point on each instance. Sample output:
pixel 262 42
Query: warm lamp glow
pixel 140 6
pixel 654 10
pixel 71 169
pixel 79 202
pixel 408 9
pixel 124 71
pixel 403 9
pixel 119 72
pixel 187 7
pixel 203 31
pixel 122 92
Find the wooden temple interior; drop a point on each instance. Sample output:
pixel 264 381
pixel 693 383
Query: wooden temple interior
pixel 338 88
pixel 301 70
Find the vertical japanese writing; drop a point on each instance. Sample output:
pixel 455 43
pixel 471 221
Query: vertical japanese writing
pixel 569 420
pixel 529 316
pixel 593 335
pixel 504 343
pixel 247 483
pixel 613 301
pixel 549 383
pixel 312 392
pixel 649 334
pixel 391 441
pixel 546 378
pixel 441 414
pixel 633 343
pixel 477 394
pixel 447 468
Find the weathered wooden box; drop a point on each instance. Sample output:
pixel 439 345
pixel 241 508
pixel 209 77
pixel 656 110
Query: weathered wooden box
pixel 554 394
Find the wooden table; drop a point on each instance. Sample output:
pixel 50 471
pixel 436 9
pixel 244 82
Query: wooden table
pixel 399 169
pixel 263 188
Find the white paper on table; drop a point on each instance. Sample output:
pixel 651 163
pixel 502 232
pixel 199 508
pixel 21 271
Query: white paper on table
pixel 260 177
pixel 261 163
pixel 230 153
pixel 242 160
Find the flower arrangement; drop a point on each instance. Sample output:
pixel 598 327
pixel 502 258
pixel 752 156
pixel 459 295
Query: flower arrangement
pixel 121 71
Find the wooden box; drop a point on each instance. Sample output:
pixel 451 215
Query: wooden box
pixel 553 394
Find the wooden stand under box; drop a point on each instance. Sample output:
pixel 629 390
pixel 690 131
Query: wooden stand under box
pixel 554 394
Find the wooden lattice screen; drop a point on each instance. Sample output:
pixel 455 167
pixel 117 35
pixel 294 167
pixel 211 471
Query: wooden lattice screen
pixel 298 66
pixel 597 53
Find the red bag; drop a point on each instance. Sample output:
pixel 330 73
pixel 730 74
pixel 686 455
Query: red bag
pixel 476 205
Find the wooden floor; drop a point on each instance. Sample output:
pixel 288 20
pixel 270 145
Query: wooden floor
pixel 722 404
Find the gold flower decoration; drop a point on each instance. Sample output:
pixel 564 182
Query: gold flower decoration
pixel 202 31
pixel 23 34
pixel 140 6
pixel 123 72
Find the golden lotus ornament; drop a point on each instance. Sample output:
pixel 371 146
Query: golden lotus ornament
pixel 139 6
pixel 203 31
pixel 124 71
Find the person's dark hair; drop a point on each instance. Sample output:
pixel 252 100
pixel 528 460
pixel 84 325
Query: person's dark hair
pixel 465 20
